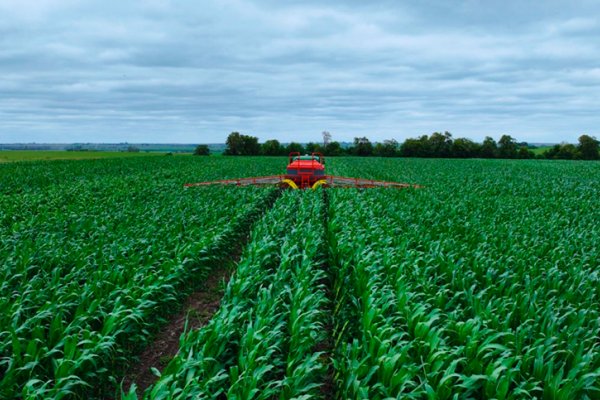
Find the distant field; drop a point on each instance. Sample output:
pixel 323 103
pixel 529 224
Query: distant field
pixel 541 149
pixel 36 155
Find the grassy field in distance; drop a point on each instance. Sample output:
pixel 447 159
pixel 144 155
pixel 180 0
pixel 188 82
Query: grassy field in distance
pixel 37 155
pixel 541 149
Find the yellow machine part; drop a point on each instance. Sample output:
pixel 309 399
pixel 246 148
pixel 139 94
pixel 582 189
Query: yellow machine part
pixel 318 183
pixel 290 183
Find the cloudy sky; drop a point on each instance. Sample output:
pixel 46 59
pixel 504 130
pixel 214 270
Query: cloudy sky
pixel 193 71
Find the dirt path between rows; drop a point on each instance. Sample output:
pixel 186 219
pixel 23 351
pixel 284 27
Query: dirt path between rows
pixel 328 384
pixel 198 309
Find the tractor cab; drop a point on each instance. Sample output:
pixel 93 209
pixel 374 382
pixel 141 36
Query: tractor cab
pixel 305 170
pixel 306 157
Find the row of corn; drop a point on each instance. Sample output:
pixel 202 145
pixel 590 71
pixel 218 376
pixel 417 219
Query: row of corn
pixel 439 293
pixel 484 284
pixel 485 290
pixel 264 342
pixel 90 268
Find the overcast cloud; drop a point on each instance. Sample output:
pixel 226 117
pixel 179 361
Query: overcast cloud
pixel 193 71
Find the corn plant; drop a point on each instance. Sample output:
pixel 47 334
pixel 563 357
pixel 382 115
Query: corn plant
pixel 262 342
pixel 482 285
pixel 90 269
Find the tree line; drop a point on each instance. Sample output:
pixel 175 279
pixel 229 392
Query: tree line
pixel 436 145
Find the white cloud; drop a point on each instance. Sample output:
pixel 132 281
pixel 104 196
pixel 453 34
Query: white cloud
pixel 32 10
pixel 116 71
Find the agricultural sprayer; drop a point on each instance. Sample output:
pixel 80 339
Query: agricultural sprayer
pixel 303 172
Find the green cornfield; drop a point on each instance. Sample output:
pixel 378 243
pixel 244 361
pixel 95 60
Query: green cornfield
pixel 483 284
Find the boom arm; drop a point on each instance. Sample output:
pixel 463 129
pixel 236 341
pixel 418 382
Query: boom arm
pixel 326 180
pixel 256 181
pixel 343 181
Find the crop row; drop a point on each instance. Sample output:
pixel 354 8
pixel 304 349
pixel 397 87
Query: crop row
pixel 90 269
pixel 473 293
pixel 264 341
pixel 443 292
pixel 484 284
pixel 156 171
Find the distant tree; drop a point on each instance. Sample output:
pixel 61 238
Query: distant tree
pixel 251 146
pixel 507 147
pixel 563 151
pixel 235 144
pixel 489 148
pixel 568 151
pixel 525 153
pixel 241 145
pixel 201 150
pixel 132 149
pixel 313 148
pixel 552 152
pixel 272 148
pixel 389 148
pixel 333 149
pixel 293 147
pixel 464 148
pixel 362 147
pixel 416 147
pixel 588 147
pixel 440 144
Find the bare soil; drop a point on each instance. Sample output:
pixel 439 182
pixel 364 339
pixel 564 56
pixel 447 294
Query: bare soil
pixel 328 386
pixel 198 309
